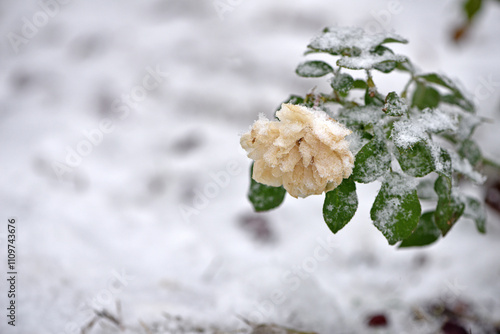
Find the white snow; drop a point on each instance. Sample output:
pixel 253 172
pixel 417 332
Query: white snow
pixel 368 61
pixel 408 132
pixel 339 38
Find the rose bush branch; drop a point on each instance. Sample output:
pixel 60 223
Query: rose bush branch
pixel 417 143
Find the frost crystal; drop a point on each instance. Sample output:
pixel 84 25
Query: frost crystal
pixel 464 167
pixel 367 61
pixel 305 151
pixel 341 40
pixel 357 49
pixel 409 132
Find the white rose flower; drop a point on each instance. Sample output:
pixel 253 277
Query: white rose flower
pixel 305 151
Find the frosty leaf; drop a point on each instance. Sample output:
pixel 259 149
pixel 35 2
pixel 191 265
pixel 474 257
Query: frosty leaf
pixel 363 115
pixel 293 99
pixel 457 97
pixel 470 151
pixel 406 133
pixel 313 69
pixel 340 205
pixel 463 166
pixel 441 80
pixel 442 161
pixel 342 82
pixel 406 66
pixel 425 234
pixel 264 197
pixel 467 124
pixel 367 61
pixel 475 211
pixel 449 207
pixel 462 103
pixel 425 190
pixel 386 66
pixel 396 210
pixel 394 105
pixel 425 97
pixel 417 160
pixel 372 161
pixel 350 41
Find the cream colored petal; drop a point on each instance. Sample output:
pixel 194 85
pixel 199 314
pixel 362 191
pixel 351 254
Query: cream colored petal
pixel 263 174
pixel 289 162
pixel 271 157
pixel 289 134
pixel 306 151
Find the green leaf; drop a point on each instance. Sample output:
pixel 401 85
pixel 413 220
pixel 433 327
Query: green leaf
pixel 340 205
pixel 471 8
pixel 475 211
pixel 406 66
pixel 417 160
pixel 359 84
pixel 313 69
pixel 395 39
pixel 264 197
pixel 360 116
pixel 425 234
pixel 372 161
pixel 425 190
pixel 293 99
pixel 449 207
pixel 457 96
pixel 342 82
pixel 396 210
pixel 394 105
pixel 351 42
pixel 442 163
pixel 425 97
pixel 386 66
pixel 373 98
pixel 470 151
pixel 457 101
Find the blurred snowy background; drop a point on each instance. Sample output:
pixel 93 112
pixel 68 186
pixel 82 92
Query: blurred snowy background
pixel 143 102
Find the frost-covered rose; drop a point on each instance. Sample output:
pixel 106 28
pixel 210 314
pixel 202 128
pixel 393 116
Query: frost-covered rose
pixel 305 151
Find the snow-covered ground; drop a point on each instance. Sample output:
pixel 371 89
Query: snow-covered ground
pixel 127 224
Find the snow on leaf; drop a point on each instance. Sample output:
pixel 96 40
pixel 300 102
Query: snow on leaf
pixel 395 105
pixel 369 61
pixel 362 115
pixel 350 41
pixel 313 69
pixel 340 205
pixel 396 210
pixel 464 167
pixel 475 211
pixel 409 132
pixel 342 82
pixel 416 160
pixel 372 161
